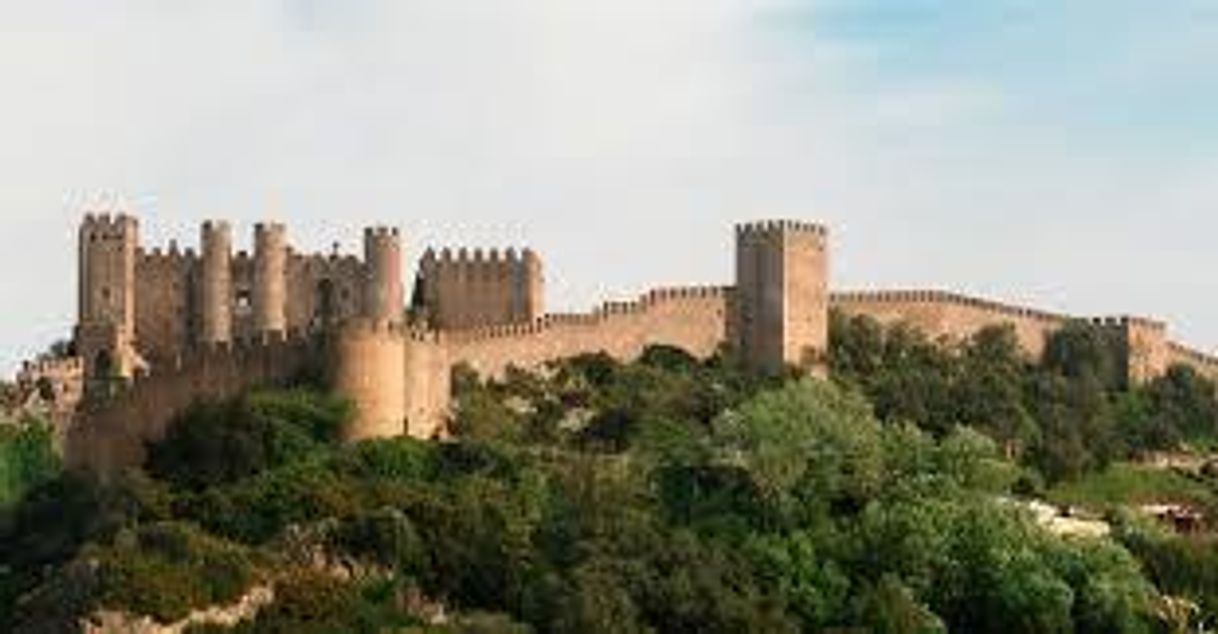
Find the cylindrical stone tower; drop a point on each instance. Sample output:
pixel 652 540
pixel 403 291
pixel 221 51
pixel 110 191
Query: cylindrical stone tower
pixel 217 283
pixel 369 368
pixel 383 293
pixel 270 279
pixel 532 286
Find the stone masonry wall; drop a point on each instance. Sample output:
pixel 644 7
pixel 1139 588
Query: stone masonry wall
pixel 473 289
pixel 166 300
pixel 940 314
pixel 694 319
pixel 110 435
pixel 1204 364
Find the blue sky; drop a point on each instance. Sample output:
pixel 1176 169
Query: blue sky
pixel 1122 71
pixel 1061 154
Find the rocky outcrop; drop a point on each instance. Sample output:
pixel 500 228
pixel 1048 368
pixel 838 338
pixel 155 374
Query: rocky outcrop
pixel 111 622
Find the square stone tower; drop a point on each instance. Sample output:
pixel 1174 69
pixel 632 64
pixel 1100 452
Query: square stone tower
pixel 782 296
pixel 105 325
pixel 471 290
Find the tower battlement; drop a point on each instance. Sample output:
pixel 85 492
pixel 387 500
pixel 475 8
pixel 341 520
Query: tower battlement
pixel 109 225
pixel 1130 321
pixel 175 325
pixel 772 227
pixel 463 288
pixel 782 307
pixel 381 231
pixel 173 254
pixel 463 256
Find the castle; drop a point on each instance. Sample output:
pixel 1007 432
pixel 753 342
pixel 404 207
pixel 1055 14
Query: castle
pixel 158 330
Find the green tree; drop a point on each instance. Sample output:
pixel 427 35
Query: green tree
pixel 223 442
pixel 989 390
pixel 27 459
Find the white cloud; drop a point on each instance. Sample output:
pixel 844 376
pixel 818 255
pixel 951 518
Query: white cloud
pixel 621 138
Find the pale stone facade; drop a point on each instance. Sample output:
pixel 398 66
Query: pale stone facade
pixel 174 326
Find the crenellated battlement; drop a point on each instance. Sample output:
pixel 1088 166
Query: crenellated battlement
pixel 318 262
pixel 464 257
pixel 608 312
pixel 776 227
pixel 366 327
pixel 44 367
pixel 214 323
pixel 169 256
pixel 216 226
pixel 466 288
pixel 673 293
pixel 935 296
pixel 1203 362
pixel 109 226
pixel 1130 321
pixel 267 228
pixel 382 231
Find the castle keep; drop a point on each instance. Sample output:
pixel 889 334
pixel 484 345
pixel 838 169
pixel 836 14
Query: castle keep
pixel 159 329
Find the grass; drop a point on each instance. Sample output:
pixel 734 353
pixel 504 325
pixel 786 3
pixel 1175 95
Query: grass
pixel 1132 484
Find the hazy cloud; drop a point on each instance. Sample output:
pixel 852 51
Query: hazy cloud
pixel 946 146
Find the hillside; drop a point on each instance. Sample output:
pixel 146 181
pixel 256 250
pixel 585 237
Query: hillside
pixel 665 495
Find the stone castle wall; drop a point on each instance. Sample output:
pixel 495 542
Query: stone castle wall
pixel 110 435
pixel 171 288
pixel 471 289
pixel 169 319
pixel 428 385
pixel 398 378
pixel 1204 364
pixel 692 318
pixel 952 316
pixel 52 387
pixel 323 290
pixel 941 314
pixel 167 295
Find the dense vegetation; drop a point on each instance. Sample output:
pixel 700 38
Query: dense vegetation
pixel 27 458
pixel 1066 414
pixel 664 495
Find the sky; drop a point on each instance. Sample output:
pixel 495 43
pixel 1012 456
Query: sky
pixel 1057 153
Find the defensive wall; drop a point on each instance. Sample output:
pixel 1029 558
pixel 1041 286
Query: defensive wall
pixel 463 289
pixel 1148 352
pixel 400 377
pixel 168 328
pixel 63 374
pixel 1203 363
pixel 692 318
pixel 111 433
pixel 942 314
pixel 53 387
